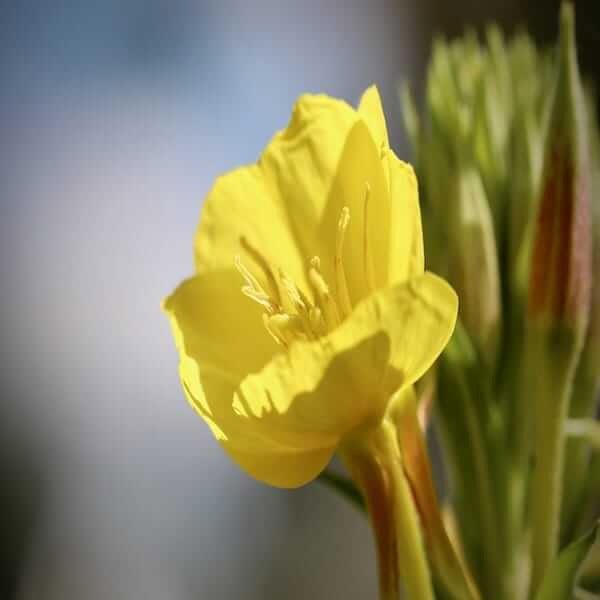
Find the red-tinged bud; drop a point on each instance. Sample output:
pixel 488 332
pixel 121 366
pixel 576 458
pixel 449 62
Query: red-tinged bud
pixel 561 270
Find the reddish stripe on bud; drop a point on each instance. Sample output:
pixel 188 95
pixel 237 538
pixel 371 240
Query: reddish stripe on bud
pixel 561 270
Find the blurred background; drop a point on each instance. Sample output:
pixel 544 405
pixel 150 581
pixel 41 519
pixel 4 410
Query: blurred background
pixel 115 117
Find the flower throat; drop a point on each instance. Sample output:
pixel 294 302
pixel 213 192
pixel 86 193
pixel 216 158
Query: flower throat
pixel 289 313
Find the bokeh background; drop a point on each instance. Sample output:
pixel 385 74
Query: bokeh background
pixel 115 117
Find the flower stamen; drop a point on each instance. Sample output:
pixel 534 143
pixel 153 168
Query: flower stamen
pixel 283 328
pixel 322 294
pixel 300 302
pixel 253 289
pixel 290 313
pixel 264 266
pixel 368 263
pixel 340 274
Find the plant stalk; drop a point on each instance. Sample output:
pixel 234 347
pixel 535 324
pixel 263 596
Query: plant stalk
pixel 553 368
pixel 375 463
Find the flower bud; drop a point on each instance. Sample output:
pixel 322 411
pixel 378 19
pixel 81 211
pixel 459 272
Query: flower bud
pixel 527 155
pixel 492 111
pixel 560 278
pixel 473 266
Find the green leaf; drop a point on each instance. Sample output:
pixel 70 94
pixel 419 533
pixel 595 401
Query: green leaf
pixel 568 569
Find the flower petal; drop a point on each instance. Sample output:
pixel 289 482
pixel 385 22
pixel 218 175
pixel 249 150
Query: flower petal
pixel 277 204
pixel 242 205
pixel 370 109
pixel 211 319
pixel 300 163
pixel 221 338
pixel 360 185
pixel 289 204
pixel 283 469
pixel 344 381
pixel 261 457
pixel 209 316
pixel 317 166
pixel 421 330
pixel 406 245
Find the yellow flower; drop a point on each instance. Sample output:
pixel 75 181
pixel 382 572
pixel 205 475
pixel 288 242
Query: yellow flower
pixel 335 312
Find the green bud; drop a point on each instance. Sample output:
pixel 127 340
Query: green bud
pixel 561 270
pixel 492 112
pixel 473 265
pixel 489 137
pixel 526 170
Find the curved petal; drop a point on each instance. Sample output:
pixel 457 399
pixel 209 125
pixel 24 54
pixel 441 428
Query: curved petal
pixel 218 327
pixel 265 459
pixel 261 457
pixel 221 338
pixel 406 243
pixel 277 203
pixel 344 381
pixel 301 162
pixel 422 329
pixel 370 109
pixel 284 469
pixel 242 206
pixel 289 204
pixel 360 185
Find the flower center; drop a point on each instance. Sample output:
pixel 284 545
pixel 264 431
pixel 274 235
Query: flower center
pixel 289 313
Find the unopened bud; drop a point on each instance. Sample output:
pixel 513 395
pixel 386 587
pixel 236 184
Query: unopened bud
pixel 527 155
pixel 561 270
pixel 473 266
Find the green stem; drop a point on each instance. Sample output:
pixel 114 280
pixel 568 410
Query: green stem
pixel 486 500
pixel 577 452
pixel 554 365
pixel 375 463
pixel 371 477
pixel 514 470
pixel 414 567
pixel 519 440
pixel 464 428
